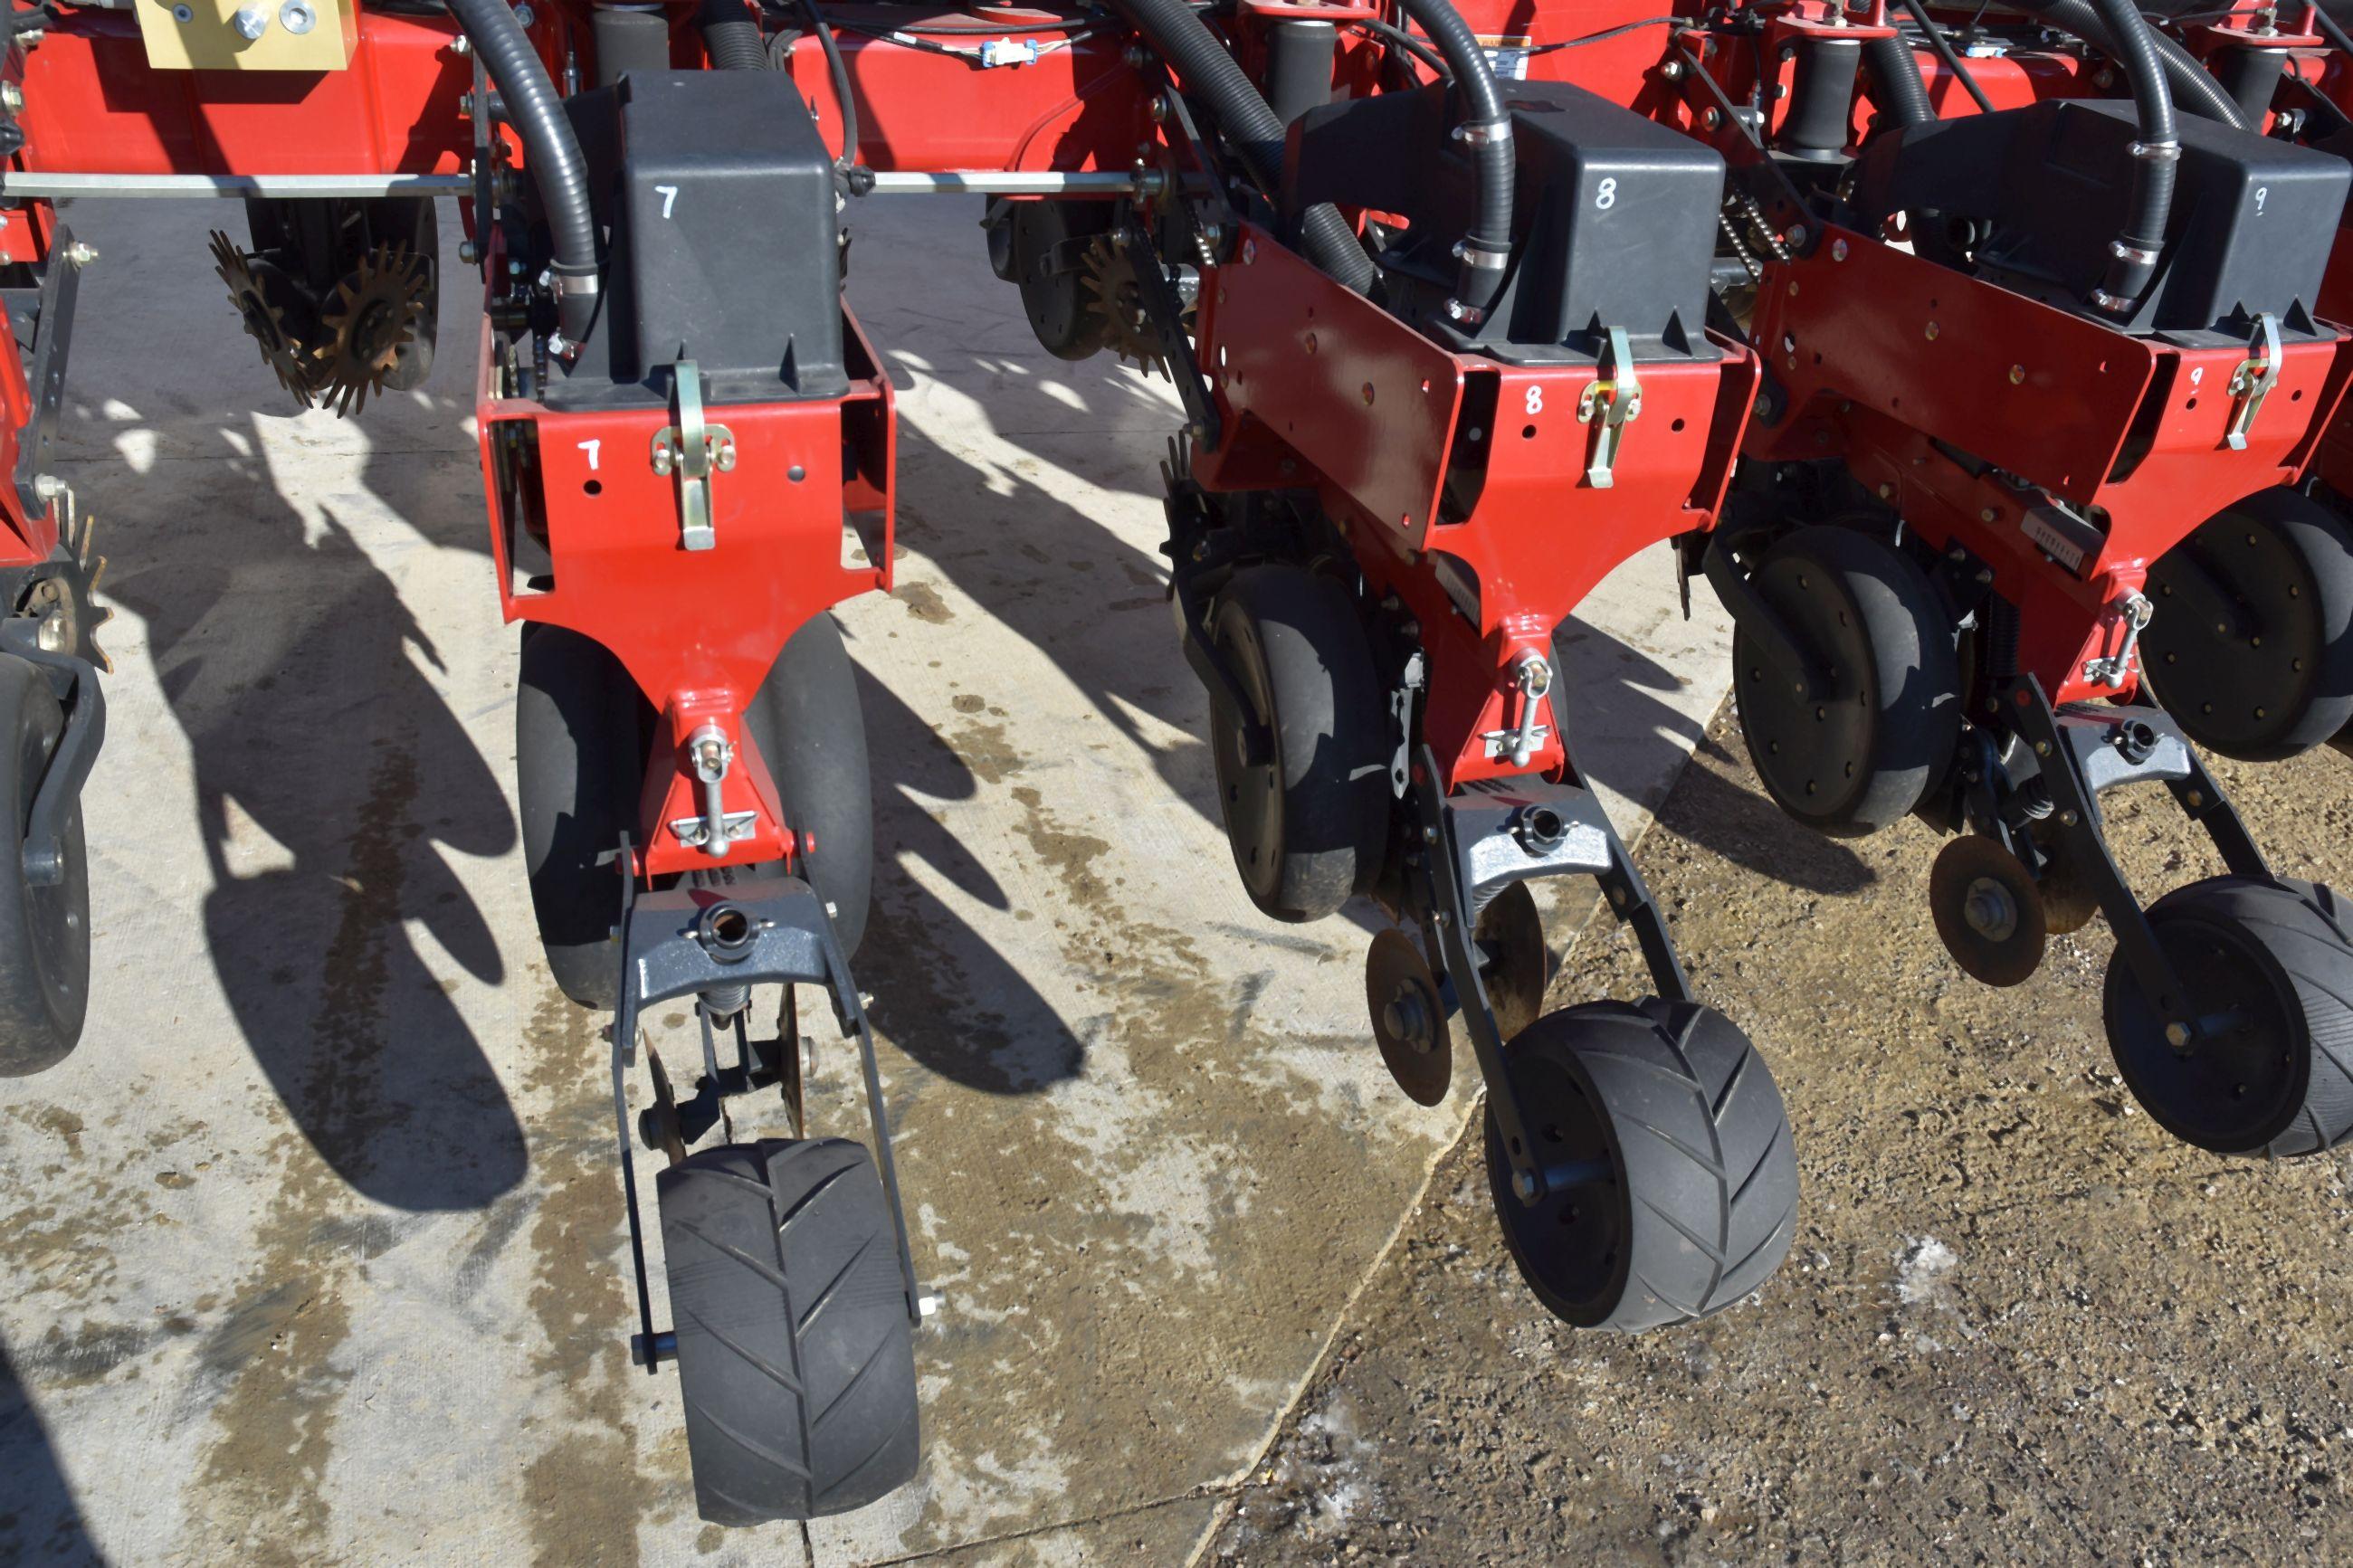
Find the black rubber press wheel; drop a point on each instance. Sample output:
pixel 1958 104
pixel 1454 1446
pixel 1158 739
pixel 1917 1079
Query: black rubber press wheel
pixel 1864 749
pixel 2275 678
pixel 807 722
pixel 2268 969
pixel 1700 1200
pixel 796 1359
pixel 44 930
pixel 1308 825
pixel 580 754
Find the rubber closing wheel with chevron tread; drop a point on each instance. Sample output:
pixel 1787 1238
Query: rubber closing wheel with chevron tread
pixel 1701 1199
pixel 796 1359
pixel 2268 969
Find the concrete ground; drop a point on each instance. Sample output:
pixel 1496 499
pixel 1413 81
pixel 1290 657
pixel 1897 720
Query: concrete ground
pixel 315 1250
pixel 2019 1323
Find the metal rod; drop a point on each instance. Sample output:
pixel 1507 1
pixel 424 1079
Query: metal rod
pixel 47 184
pixel 1010 183
pixel 50 186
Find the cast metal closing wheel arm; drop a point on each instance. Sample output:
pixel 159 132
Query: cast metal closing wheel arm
pixel 1452 930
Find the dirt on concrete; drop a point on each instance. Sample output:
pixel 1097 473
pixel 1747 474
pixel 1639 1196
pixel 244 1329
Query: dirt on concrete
pixel 2019 1323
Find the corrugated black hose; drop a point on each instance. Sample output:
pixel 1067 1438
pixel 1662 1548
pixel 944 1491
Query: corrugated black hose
pixel 1896 81
pixel 731 36
pixel 2193 88
pixel 1487 126
pixel 551 151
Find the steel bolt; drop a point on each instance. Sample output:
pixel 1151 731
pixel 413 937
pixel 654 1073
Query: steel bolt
pixel 296 16
pixel 1988 515
pixel 467 253
pixel 1524 1182
pixel 1932 332
pixel 1672 70
pixel 2042 748
pixel 1795 237
pixel 2177 1035
pixel 12 98
pixel 1711 119
pixel 1838 250
pixel 2017 375
pixel 79 254
pixel 183 15
pixel 250 22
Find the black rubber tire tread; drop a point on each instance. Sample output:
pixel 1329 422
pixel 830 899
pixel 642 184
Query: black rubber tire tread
pixel 2305 689
pixel 1912 683
pixel 580 744
pixel 2305 930
pixel 1295 642
pixel 44 931
pixel 795 1360
pixel 1707 1194
pixel 807 722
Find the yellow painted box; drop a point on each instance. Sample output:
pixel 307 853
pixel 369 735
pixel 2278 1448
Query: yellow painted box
pixel 249 35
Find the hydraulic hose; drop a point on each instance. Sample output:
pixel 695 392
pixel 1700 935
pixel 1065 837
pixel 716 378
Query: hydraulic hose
pixel 2193 89
pixel 1896 81
pixel 2156 155
pixel 731 36
pixel 1178 33
pixel 1487 126
pixel 551 149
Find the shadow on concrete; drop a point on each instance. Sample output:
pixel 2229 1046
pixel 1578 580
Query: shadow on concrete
pixel 39 1519
pixel 942 992
pixel 329 775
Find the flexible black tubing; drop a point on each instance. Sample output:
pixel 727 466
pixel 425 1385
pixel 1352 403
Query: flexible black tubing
pixel 550 147
pixel 1944 47
pixel 843 98
pixel 2156 160
pixel 2193 88
pixel 1488 126
pixel 731 36
pixel 2156 155
pixel 1896 81
pixel 1178 33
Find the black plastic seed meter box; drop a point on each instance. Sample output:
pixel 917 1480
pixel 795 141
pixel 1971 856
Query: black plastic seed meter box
pixel 1613 217
pixel 723 246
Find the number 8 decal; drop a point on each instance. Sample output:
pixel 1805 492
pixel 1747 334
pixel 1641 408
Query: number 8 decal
pixel 1536 398
pixel 1608 196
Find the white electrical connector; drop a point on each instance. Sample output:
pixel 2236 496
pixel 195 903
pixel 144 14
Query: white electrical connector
pixel 1009 52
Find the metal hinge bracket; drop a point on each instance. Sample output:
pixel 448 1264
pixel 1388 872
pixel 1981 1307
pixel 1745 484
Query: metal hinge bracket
pixel 2253 382
pixel 693 451
pixel 1610 404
